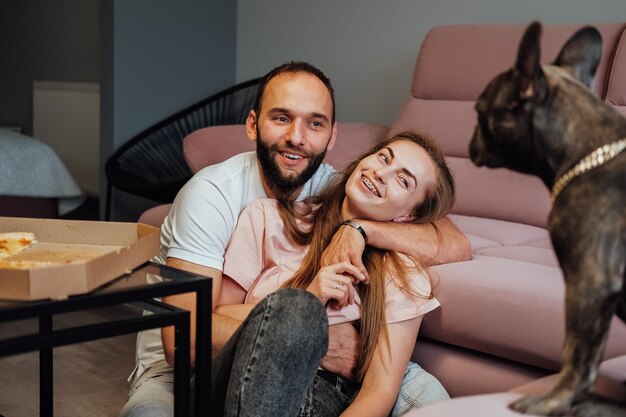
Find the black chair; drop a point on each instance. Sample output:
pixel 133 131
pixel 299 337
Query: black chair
pixel 152 165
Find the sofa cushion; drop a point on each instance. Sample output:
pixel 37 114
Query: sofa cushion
pixel 499 193
pixel 490 236
pixel 488 405
pixel 610 382
pixel 503 307
pixel 457 369
pixel 450 122
pixel 508 300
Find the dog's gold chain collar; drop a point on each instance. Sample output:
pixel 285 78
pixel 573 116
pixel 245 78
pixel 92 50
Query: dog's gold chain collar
pixel 596 158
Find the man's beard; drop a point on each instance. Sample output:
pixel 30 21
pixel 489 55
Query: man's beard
pixel 284 185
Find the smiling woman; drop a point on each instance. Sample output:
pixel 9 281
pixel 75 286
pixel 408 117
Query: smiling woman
pixel 403 179
pixel 385 185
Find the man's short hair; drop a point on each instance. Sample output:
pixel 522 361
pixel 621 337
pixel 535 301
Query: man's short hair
pixel 293 67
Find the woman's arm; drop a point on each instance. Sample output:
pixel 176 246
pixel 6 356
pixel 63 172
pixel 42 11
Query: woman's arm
pixel 383 378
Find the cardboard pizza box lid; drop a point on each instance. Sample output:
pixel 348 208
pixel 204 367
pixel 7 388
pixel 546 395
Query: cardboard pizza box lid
pixel 78 256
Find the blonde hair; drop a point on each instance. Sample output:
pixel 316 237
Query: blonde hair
pixel 323 213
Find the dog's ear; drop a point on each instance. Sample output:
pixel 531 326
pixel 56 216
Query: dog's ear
pixel 581 54
pixel 532 81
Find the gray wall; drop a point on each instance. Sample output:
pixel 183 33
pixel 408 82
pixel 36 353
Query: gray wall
pixel 368 47
pixel 154 57
pixel 158 57
pixel 44 40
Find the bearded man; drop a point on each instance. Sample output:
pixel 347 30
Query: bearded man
pixel 293 124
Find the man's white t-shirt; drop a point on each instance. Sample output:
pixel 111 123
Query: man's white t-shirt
pixel 201 222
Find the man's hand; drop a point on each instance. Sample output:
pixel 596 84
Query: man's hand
pixel 347 245
pixel 343 350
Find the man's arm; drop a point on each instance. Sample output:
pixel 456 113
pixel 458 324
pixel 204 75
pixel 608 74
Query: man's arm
pixel 222 327
pixel 422 242
pixel 343 350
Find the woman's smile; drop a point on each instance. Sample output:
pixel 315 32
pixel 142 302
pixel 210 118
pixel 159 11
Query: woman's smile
pixel 369 185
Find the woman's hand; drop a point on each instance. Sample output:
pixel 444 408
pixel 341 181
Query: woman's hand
pixel 334 282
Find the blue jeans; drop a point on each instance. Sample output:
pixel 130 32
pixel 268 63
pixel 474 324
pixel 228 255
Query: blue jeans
pixel 418 389
pixel 269 367
pixel 152 394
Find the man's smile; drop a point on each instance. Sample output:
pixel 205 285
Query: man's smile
pixel 290 155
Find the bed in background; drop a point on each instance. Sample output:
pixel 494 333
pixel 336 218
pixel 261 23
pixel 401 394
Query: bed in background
pixel 33 180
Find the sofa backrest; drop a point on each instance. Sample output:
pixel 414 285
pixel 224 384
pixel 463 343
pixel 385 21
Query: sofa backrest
pixel 215 144
pixel 454 65
pixel 616 82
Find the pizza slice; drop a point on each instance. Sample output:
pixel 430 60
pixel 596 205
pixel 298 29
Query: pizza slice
pixel 23 264
pixel 13 243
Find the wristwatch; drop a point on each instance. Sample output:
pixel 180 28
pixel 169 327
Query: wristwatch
pixel 357 226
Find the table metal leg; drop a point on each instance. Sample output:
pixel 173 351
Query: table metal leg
pixel 181 366
pixel 46 372
pixel 203 352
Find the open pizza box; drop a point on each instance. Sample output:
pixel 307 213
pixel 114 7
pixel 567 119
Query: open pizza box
pixel 72 257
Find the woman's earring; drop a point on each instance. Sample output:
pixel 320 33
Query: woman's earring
pixel 405 218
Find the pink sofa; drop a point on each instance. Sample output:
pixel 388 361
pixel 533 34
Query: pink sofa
pixel 501 323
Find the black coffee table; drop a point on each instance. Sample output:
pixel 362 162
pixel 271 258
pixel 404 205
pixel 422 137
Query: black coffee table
pixel 138 288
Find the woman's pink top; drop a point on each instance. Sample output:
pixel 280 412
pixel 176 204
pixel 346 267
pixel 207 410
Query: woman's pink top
pixel 260 257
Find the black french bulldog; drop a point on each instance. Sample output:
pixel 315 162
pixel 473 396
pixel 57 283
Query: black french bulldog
pixel 544 120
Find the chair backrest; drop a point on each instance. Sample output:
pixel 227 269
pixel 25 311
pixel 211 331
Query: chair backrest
pixel 454 65
pixel 152 164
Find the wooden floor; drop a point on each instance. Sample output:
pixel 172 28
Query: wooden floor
pixel 89 378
